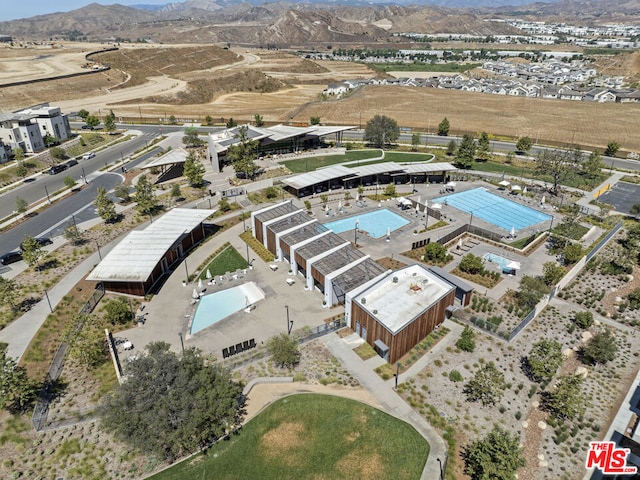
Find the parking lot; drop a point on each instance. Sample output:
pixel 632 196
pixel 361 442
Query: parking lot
pixel 622 196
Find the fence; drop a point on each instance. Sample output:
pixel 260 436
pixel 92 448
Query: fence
pixel 571 274
pixel 47 392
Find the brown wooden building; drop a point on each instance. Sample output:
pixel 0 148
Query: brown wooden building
pixel 143 257
pixel 394 312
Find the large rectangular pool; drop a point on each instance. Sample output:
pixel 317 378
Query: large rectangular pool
pixel 374 223
pixel 499 211
pixel 214 307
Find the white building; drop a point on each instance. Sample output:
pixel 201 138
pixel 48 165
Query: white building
pixel 26 128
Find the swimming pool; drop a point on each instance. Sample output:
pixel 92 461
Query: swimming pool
pixel 214 307
pixel 497 259
pixel 374 223
pixel 494 209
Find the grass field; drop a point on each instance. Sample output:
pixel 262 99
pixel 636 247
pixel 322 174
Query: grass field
pixel 312 436
pixel 229 260
pixel 301 165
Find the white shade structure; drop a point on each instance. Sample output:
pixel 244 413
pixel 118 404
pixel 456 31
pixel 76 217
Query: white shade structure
pixel 195 294
pixel 513 265
pixel 436 206
pixel 513 231
pixel 516 188
pixel 504 183
pixel 339 204
pixel 543 200
pixel 200 284
pixel 208 274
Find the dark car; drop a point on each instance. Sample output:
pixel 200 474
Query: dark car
pixel 41 240
pixel 11 257
pixel 71 163
pixel 57 169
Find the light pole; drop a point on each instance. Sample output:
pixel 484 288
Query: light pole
pixel 99 253
pixel 551 226
pixel 289 322
pixel 471 219
pixel 84 176
pixel 48 301
pixel 47 192
pixel 397 374
pixel 248 262
pixel 181 341
pixel 355 233
pixel 186 269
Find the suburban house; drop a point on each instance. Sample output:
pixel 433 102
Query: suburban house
pixel 27 128
pixel 5 152
pixel 144 257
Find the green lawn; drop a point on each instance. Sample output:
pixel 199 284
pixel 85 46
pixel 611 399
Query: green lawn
pixel 301 165
pixel 229 260
pixel 312 436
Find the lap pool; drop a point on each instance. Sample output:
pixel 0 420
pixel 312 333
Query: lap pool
pixel 374 223
pixel 494 209
pixel 214 307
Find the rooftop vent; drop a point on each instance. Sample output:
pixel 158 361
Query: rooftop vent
pixel 363 300
pixel 395 279
pixel 375 312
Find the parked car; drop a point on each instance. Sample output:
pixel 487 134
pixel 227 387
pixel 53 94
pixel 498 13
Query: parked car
pixel 41 240
pixel 71 163
pixel 61 167
pixel 87 127
pixel 11 257
pixel 88 155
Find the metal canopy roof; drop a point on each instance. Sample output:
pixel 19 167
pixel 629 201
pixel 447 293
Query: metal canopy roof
pixel 378 168
pixel 172 157
pixel 279 211
pixel 318 176
pixel 303 233
pixel 358 275
pixel 337 260
pixel 289 222
pixel 135 256
pixel 321 245
pixel 428 167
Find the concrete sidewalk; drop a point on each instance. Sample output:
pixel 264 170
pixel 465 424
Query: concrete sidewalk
pixel 393 404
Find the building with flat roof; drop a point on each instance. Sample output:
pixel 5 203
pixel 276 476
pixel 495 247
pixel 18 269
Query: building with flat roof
pixel 27 128
pixel 142 258
pixel 397 310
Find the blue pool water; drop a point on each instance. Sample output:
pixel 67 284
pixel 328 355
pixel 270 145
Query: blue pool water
pixel 494 209
pixel 492 257
pixel 374 223
pixel 214 307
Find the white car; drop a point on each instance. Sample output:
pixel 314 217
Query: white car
pixel 88 155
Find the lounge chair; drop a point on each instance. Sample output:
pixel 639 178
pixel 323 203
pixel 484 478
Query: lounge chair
pixel 239 348
pixel 252 343
pixel 225 352
pixel 245 345
pixel 232 350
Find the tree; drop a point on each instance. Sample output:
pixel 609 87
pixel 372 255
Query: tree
pixel 191 138
pixel 307 205
pixel 523 145
pixel 552 273
pixel 486 386
pixel 444 127
pixel 415 141
pixel 271 192
pixel 17 390
pixel 381 130
pixel 484 147
pixel 472 264
pixel 466 152
pixel 92 121
pixel 83 114
pixel 231 123
pixel 314 120
pixel 259 120
pixel 635 209
pixel 224 205
pixel 194 170
pixel 612 149
pixel 572 253
pixel 544 359
pixel 172 404
pixel 118 311
pixel 435 252
pixel 18 154
pixel 496 457
pixel 583 319
pixel 32 251
pixel 49 140
pixel 69 182
pixel 324 198
pixel 110 122
pixel 21 169
pixel 208 120
pixel 105 206
pixel 283 349
pixel 122 192
pixel 58 153
pixel 86 339
pixel 390 190
pixel 172 120
pixel 144 196
pixel 452 146
pixel 243 153
pixel 566 401
pixel 555 163
pixel 8 292
pixel 73 234
pixel 21 205
pixel 467 340
pixel 592 166
pixel 601 348
pixel 175 191
pixel 531 290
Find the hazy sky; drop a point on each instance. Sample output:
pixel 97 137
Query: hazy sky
pixel 12 9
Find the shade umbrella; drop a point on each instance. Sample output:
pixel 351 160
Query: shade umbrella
pixel 388 232
pixel 208 274
pixel 504 183
pixel 513 265
pixel 339 204
pixel 524 190
pixel 543 200
pixel 418 201
pixel 200 284
pixel 516 188
pixel 460 244
pixel 513 231
pixel 195 294
pixel 436 206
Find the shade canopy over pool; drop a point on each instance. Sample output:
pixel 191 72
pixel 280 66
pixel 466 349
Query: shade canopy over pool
pixel 214 307
pixel 494 209
pixel 375 223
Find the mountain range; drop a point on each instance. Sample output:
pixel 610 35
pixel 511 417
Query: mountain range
pixel 286 23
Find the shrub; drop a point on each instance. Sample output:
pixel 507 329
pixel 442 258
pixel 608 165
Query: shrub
pixel 471 264
pixel 583 319
pixel 118 311
pixel 466 342
pixel 455 376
